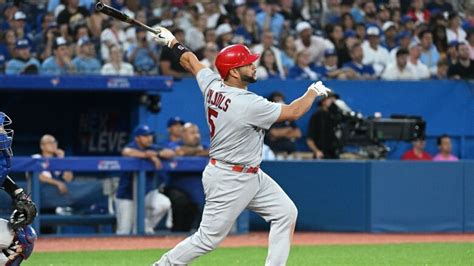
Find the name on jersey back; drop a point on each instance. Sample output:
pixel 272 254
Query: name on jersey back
pixel 217 99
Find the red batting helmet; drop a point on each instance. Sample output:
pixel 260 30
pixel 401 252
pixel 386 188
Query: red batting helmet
pixel 233 56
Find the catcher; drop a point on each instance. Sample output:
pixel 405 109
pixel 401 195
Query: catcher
pixel 24 210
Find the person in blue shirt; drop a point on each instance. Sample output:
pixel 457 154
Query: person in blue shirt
pixel 142 55
pixel 303 69
pixel 156 204
pixel 362 71
pixel 86 61
pixel 270 19
pixel 23 63
pixel 175 131
pixel 185 189
pixel 60 63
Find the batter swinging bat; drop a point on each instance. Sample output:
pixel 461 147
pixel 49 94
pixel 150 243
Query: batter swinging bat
pixel 110 11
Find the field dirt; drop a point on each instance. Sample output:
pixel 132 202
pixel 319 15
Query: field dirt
pixel 253 239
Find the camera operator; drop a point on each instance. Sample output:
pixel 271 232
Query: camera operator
pixel 321 137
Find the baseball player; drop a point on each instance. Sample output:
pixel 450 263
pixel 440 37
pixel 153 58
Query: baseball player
pixel 233 180
pixel 24 210
pixel 15 245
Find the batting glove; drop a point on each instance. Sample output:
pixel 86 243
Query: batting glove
pixel 164 37
pixel 319 88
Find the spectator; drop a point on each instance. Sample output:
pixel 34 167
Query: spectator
pixel 417 152
pixel 303 69
pixel 18 24
pixel 195 34
pixel 190 144
pixel 60 63
pixel 429 53
pixel 248 29
pixel 452 52
pixel 117 66
pixel 288 52
pixel 329 69
pixel 112 35
pixel 464 68
pixel 336 36
pixel 445 149
pixel 72 16
pixel 374 53
pixel 44 48
pixel 390 33
pixel 360 32
pixel 46 20
pixel 321 137
pixel 23 63
pixel 131 32
pixel 347 22
pixel 418 12
pixel 454 32
pixel 142 55
pixel 185 190
pixel 420 70
pixel 470 41
pixel 282 136
pixel 7 47
pixel 314 45
pixel 441 70
pixel 403 39
pixel 399 70
pixel 168 65
pixel 86 61
pixel 224 35
pixel 156 204
pixel 269 19
pixel 407 23
pixel 212 12
pixel 268 43
pixel 439 38
pixel 210 54
pixel 175 131
pixel 370 13
pixel 210 35
pixel 267 67
pixel 362 71
pixel 59 179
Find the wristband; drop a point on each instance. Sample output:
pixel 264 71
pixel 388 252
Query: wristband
pixel 179 50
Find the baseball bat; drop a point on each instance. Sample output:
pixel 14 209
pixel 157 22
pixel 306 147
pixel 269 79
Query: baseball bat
pixel 110 11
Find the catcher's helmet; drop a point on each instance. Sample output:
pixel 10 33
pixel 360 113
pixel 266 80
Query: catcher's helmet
pixel 234 56
pixel 6 135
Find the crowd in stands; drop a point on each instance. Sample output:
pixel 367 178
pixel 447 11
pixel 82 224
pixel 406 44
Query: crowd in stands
pixel 329 39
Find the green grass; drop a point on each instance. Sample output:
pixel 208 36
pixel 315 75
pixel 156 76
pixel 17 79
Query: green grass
pixel 393 254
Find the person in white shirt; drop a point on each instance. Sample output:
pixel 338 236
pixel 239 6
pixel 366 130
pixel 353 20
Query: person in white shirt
pixel 421 71
pixel 117 66
pixel 314 45
pixel 267 43
pixel 113 35
pixel 400 70
pixel 454 32
pixel 374 53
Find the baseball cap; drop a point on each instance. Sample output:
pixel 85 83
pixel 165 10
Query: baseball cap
pixel 329 52
pixel 453 43
pixel 83 41
pixel 406 19
pixel 143 130
pixel 372 31
pixel 22 44
pixel 387 25
pixel 301 26
pixel 403 34
pixel 59 41
pixel 223 29
pixel 175 120
pixel 19 16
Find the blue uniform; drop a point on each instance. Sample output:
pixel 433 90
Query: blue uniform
pixel 50 67
pixel 87 65
pixel 125 188
pixel 361 69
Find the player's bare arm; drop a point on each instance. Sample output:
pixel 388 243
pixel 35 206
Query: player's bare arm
pixel 187 59
pixel 296 109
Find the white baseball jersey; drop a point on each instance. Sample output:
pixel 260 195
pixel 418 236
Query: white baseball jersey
pixel 237 120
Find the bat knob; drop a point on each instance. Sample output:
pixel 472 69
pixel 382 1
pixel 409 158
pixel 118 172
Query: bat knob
pixel 99 6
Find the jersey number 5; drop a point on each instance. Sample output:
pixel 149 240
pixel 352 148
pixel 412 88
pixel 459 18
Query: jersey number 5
pixel 211 113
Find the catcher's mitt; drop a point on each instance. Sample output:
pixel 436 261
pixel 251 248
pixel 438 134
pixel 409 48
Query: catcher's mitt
pixel 24 211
